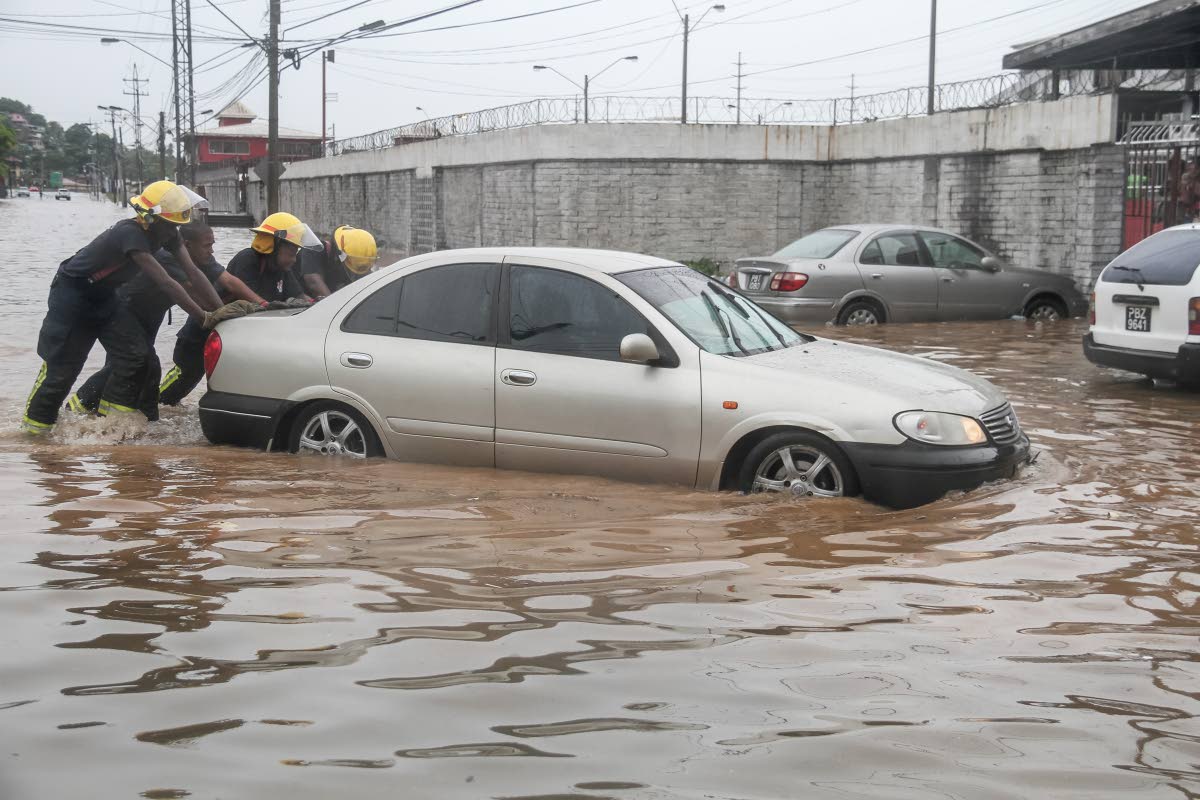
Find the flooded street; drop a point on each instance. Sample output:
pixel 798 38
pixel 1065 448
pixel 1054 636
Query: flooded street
pixel 181 620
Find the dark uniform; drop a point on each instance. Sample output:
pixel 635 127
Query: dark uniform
pixel 84 308
pixel 253 269
pixel 324 262
pixel 149 305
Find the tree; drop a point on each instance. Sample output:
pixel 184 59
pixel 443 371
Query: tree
pixel 8 143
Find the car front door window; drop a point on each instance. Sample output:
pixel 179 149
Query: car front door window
pixel 949 252
pixel 563 313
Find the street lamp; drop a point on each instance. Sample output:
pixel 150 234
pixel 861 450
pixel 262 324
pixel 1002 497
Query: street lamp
pixel 687 29
pixel 587 79
pixel 112 40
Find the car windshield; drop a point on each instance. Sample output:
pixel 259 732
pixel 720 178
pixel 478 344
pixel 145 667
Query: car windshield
pixel 1168 258
pixel 717 319
pixel 822 244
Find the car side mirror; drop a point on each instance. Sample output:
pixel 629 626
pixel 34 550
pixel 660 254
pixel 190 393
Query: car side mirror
pixel 638 348
pixel 990 263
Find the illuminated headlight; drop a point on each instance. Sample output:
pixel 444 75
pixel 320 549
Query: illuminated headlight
pixel 933 427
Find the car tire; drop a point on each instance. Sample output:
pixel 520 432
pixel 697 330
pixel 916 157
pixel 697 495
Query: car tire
pixel 1046 309
pixel 812 467
pixel 860 312
pixel 330 428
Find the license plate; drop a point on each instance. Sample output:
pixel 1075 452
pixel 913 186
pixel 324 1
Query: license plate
pixel 756 282
pixel 1137 318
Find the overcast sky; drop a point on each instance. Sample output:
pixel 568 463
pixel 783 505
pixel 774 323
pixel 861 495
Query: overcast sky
pixel 381 81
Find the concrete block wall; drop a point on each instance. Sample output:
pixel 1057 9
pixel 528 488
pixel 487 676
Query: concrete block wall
pixel 1050 197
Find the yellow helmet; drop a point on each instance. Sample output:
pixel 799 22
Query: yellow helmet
pixel 283 227
pixel 357 249
pixel 168 201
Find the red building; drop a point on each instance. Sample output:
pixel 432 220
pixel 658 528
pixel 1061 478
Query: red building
pixel 240 136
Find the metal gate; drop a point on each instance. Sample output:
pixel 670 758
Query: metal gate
pixel 1162 177
pixel 225 196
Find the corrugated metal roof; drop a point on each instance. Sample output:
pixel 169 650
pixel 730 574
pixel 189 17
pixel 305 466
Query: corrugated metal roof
pixel 254 130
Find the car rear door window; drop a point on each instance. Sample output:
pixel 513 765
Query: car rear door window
pixel 1169 258
pixel 452 303
pixel 950 252
pixel 892 249
pixel 560 312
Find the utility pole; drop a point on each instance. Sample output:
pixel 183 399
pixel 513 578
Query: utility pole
pixel 162 144
pixel 851 98
pixel 683 96
pixel 121 167
pixel 193 153
pixel 175 81
pixel 932 50
pixel 739 64
pixel 273 111
pixel 326 58
pixel 116 177
pixel 137 94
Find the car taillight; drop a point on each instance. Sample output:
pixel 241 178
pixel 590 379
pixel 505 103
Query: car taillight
pixel 212 352
pixel 1092 310
pixel 1194 316
pixel 733 280
pixel 788 281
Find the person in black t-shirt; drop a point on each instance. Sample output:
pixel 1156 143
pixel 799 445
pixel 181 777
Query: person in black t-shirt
pixel 265 268
pixel 84 306
pixel 149 305
pixel 345 257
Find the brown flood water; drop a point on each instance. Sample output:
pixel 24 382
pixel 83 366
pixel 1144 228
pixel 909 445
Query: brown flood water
pixel 179 620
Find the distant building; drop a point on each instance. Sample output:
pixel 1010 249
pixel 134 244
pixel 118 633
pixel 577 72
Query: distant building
pixel 240 136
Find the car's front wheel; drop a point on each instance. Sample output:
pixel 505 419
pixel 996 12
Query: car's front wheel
pixel 800 464
pixel 332 429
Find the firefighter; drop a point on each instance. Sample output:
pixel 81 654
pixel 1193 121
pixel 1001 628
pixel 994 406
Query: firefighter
pixel 265 268
pixel 344 258
pixel 149 305
pixel 84 307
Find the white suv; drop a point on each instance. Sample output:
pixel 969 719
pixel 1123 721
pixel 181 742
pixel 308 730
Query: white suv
pixel 1146 308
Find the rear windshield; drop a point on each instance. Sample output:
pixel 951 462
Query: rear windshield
pixel 1166 259
pixel 822 244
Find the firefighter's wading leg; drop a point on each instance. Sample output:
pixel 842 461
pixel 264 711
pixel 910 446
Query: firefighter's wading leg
pixel 72 324
pixel 125 342
pixel 189 365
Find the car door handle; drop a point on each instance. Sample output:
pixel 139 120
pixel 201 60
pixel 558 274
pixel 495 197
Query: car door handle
pixel 947 279
pixel 356 360
pixel 518 377
pixel 877 275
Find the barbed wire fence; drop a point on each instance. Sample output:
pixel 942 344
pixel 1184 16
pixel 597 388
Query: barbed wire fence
pixel 993 91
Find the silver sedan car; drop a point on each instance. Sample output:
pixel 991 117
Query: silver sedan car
pixel 594 362
pixel 868 274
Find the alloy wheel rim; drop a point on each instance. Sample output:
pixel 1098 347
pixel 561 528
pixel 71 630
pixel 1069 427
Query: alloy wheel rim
pixel 801 471
pixel 862 316
pixel 1045 314
pixel 333 433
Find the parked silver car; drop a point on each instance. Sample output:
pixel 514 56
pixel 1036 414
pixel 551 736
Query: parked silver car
pixel 593 362
pixel 867 274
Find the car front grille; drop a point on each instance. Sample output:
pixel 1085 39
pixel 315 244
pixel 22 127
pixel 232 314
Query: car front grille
pixel 1001 424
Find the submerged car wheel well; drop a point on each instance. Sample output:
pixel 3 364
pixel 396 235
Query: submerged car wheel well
pixel 1050 298
pixel 737 454
pixel 283 430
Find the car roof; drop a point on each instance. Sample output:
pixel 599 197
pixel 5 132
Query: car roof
pixel 878 227
pixel 607 261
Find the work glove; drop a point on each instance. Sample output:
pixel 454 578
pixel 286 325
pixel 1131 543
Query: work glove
pixel 291 302
pixel 238 308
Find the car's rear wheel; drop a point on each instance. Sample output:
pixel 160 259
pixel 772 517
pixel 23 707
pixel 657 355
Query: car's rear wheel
pixel 1045 309
pixel 800 464
pixel 860 312
pixel 332 429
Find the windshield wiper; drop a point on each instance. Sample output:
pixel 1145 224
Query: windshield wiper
pixel 1140 278
pixel 726 330
pixel 732 299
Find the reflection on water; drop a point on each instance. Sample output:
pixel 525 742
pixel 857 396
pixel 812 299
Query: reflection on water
pixel 188 621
